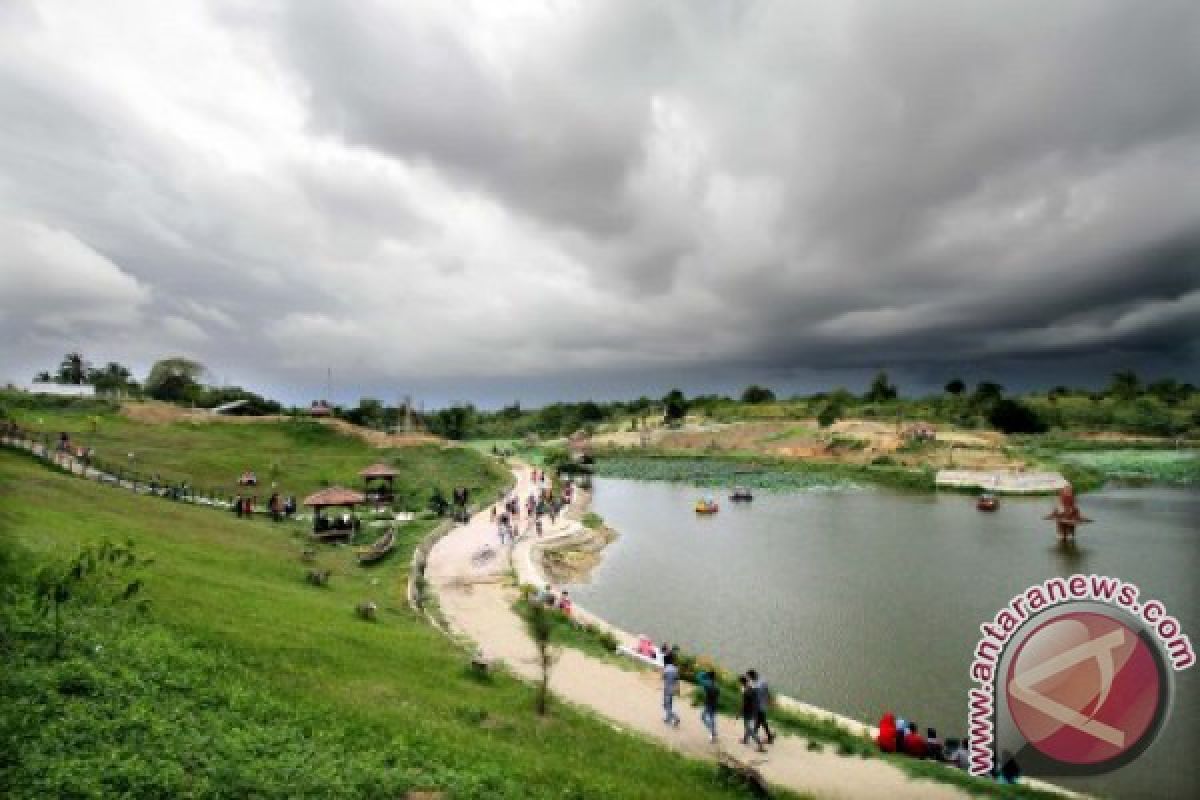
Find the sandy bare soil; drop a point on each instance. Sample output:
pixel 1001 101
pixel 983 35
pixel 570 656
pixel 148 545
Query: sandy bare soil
pixel 848 441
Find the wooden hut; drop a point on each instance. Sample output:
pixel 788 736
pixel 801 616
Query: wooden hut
pixel 379 483
pixel 326 529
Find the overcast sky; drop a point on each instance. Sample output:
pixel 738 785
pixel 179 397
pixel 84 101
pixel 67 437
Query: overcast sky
pixel 499 200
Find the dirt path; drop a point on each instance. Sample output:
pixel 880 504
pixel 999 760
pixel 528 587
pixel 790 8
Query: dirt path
pixel 477 605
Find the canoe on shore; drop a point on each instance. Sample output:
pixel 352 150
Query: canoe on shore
pixel 382 546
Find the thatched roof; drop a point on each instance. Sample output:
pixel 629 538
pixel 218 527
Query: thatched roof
pixel 334 496
pixel 379 471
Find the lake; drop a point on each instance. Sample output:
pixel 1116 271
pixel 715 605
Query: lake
pixel 859 600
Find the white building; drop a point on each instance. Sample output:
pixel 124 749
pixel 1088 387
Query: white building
pixel 59 389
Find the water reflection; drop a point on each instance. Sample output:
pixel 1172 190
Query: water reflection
pixel 1071 557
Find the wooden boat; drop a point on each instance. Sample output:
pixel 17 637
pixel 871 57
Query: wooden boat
pixel 382 546
pixel 987 502
pixel 708 506
pixel 741 494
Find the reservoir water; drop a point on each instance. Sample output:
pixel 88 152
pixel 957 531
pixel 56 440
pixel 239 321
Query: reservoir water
pixel 860 600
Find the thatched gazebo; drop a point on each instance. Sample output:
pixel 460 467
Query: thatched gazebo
pixel 379 482
pixel 333 497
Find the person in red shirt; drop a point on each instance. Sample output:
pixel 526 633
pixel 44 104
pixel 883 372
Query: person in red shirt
pixel 887 733
pixel 914 742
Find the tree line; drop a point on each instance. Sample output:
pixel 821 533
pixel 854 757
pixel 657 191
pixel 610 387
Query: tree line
pixel 1165 407
pixel 175 380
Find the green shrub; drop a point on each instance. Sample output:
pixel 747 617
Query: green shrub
pixel 608 640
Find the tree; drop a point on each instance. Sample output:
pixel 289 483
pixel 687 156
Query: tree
pixel 94 568
pixel 955 387
pixel 1147 415
pixel 455 422
pixel 1169 391
pixel 882 390
pixel 1011 416
pixel 830 413
pixel 675 406
pixel 540 621
pixel 43 377
pixel 1125 385
pixel 756 394
pixel 987 394
pixel 73 369
pixel 111 377
pixel 369 414
pixel 174 380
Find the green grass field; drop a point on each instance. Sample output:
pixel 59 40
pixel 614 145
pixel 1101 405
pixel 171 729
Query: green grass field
pixel 240 680
pixel 300 455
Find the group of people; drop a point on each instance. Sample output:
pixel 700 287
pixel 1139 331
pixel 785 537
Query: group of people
pixel 549 599
pixel 897 735
pixel 541 502
pixel 278 506
pixel 755 701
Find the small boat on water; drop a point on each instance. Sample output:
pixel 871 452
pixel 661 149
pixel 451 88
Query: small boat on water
pixel 987 502
pixel 381 547
pixel 707 506
pixel 741 494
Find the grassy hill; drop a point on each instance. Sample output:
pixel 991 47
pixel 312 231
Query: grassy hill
pixel 242 680
pixel 300 455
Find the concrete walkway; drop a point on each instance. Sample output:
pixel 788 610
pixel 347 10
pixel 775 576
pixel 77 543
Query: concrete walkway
pixel 477 604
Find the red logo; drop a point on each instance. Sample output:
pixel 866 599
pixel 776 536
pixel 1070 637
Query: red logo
pixel 1084 688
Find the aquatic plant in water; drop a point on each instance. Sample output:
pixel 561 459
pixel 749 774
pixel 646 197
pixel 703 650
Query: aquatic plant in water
pixel 1159 466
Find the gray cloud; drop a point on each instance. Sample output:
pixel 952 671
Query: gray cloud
pixel 423 194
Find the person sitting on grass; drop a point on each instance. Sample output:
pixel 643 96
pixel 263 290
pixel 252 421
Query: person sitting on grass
pixel 564 604
pixel 933 745
pixel 886 739
pixel 914 742
pixel 1010 770
pixel 962 758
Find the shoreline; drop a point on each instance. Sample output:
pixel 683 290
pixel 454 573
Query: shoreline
pixel 535 567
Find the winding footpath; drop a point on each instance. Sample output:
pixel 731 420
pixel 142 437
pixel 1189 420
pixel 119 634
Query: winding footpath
pixel 476 603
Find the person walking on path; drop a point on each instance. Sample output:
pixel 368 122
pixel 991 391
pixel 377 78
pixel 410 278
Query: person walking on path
pixel 670 689
pixel 712 695
pixel 750 713
pixel 764 702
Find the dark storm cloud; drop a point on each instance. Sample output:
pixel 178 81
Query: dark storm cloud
pixel 416 194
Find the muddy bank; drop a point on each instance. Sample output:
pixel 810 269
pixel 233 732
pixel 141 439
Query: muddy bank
pixel 571 558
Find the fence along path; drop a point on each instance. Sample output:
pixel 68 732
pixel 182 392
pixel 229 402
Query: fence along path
pixel 77 460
